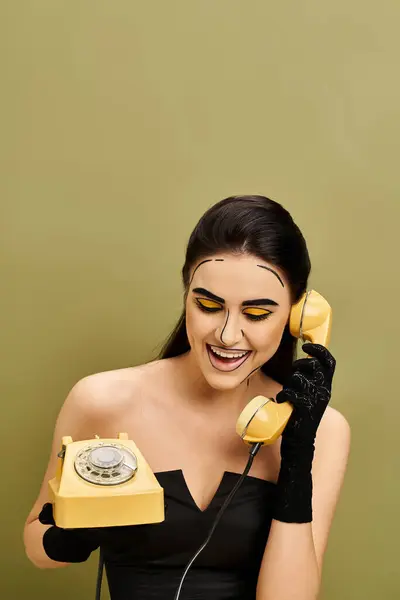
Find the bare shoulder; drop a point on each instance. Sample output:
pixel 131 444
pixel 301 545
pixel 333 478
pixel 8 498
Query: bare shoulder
pixel 101 396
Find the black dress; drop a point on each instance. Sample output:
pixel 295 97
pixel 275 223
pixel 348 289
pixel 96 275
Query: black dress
pixel 149 560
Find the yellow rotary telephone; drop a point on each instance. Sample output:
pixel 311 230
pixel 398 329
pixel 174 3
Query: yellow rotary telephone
pixel 104 483
pixel 107 482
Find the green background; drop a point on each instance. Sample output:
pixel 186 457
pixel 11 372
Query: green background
pixel 122 122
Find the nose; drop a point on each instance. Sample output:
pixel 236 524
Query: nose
pixel 229 332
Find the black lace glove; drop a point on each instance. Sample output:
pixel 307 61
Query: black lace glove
pixel 67 545
pixel 309 391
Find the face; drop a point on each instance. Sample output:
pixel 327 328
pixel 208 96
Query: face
pixel 237 307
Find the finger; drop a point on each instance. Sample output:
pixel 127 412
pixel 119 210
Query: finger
pixel 46 514
pixel 321 353
pixel 308 366
pixel 287 395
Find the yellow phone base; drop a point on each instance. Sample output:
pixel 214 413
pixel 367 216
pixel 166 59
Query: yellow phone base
pixel 104 483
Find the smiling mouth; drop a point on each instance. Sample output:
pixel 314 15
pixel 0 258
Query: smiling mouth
pixel 227 363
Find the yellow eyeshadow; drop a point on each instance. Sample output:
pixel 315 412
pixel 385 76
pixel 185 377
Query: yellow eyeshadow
pixel 208 303
pixel 256 311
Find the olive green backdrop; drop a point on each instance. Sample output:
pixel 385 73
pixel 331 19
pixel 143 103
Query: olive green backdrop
pixel 122 122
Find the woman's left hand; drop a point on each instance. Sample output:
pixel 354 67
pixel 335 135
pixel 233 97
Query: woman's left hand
pixel 309 391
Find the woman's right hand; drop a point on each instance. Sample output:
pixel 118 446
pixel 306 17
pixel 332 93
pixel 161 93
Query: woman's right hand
pixel 67 545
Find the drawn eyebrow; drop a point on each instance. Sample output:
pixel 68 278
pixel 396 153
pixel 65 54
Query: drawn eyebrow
pixel 256 302
pixel 272 271
pixel 199 265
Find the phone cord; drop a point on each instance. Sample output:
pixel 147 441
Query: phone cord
pixel 254 449
pixel 99 575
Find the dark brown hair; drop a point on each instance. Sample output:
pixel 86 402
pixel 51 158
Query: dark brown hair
pixel 260 227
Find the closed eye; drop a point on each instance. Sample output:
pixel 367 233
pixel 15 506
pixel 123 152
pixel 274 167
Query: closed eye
pixel 253 313
pixel 208 305
pixel 257 314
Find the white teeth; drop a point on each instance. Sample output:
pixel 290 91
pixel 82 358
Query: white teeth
pixel 225 355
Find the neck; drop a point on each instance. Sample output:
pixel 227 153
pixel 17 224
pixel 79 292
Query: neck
pixel 195 387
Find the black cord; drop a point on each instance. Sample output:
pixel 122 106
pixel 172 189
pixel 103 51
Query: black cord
pixel 99 575
pixel 254 449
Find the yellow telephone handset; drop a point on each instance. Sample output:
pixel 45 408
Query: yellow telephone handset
pixel 263 420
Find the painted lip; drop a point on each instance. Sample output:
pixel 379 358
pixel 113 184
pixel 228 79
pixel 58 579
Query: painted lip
pixel 228 350
pixel 226 367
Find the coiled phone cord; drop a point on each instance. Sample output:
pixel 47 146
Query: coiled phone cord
pixel 253 451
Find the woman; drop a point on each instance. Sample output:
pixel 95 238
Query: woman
pixel 246 264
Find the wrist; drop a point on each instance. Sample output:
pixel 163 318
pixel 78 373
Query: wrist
pixel 293 502
pixel 297 453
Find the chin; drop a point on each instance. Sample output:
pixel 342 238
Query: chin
pixel 223 382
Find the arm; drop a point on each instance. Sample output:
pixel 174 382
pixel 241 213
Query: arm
pixel 75 419
pixel 292 562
